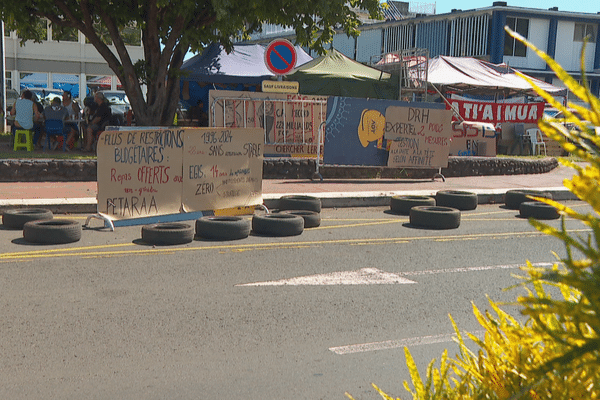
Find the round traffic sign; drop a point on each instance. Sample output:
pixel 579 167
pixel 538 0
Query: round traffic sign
pixel 280 56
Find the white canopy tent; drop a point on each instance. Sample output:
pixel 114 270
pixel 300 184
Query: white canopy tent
pixel 466 75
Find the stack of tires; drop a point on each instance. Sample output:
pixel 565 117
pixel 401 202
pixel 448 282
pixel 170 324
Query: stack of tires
pixel 39 226
pixel 294 213
pixel 439 212
pixel 518 200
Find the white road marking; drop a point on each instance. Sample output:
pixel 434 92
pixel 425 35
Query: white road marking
pixel 374 276
pixel 365 276
pixel 472 269
pixel 394 344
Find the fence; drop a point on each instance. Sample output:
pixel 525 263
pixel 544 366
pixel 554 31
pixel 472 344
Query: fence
pixel 290 125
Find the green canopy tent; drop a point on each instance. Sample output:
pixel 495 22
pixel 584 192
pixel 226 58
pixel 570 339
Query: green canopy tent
pixel 334 74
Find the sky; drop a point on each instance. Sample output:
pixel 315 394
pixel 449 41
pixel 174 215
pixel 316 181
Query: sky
pixel 589 6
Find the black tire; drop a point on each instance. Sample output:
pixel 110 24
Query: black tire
pixel 538 210
pixel 53 231
pixel 312 219
pixel 296 202
pixel 435 217
pixel 15 219
pixel 278 224
pixel 456 199
pixel 222 227
pixel 168 233
pixel 403 204
pixel 514 198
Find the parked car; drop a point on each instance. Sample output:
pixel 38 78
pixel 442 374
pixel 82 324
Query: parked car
pixel 11 97
pixel 560 116
pixel 119 103
pixel 45 96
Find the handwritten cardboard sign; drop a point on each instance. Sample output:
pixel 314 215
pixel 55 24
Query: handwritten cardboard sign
pixel 473 139
pixel 420 136
pixel 222 168
pixel 290 122
pixel 139 172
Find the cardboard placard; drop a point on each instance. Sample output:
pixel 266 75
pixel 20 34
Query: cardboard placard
pixel 139 172
pixel 222 168
pixel 420 136
pixel 290 122
pixel 473 139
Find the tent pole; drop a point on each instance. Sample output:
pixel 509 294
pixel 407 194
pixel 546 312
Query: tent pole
pixel 447 102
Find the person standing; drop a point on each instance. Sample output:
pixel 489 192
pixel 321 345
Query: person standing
pixel 74 113
pixel 100 116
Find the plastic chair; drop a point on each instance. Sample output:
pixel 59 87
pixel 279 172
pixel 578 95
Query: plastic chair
pixel 55 127
pixel 521 139
pixel 23 139
pixel 536 141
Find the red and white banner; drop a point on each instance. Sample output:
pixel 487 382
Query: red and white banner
pixel 496 113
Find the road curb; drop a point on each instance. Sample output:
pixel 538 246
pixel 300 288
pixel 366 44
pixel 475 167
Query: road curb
pixel 328 200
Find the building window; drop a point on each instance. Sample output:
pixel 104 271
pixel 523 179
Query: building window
pixel 513 47
pixel 102 33
pixel 67 83
pixel 64 34
pixel 583 30
pixel 33 80
pixel 41 28
pixel 97 82
pixel 8 79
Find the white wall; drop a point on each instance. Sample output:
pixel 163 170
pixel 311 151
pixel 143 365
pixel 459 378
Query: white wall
pixel 568 52
pixel 344 44
pixel 538 35
pixel 369 44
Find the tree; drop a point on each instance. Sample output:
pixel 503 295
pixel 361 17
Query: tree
pixel 170 28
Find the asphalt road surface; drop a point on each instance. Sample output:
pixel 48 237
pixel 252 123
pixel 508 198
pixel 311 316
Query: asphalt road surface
pixel 304 317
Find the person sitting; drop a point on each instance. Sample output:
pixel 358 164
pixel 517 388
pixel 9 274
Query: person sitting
pixel 74 114
pixel 24 111
pixel 101 115
pixel 55 111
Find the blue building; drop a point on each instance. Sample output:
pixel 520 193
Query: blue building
pixel 480 33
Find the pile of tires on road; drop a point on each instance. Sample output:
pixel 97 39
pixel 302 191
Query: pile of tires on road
pixel 294 214
pixel 443 211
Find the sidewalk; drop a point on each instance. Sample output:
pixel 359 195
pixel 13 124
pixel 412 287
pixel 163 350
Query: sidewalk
pixel 72 197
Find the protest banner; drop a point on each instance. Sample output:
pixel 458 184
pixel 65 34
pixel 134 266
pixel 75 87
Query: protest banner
pixel 497 113
pixel 290 122
pixel 139 172
pixel 420 136
pixel 222 168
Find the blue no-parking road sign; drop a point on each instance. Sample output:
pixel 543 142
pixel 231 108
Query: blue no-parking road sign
pixel 280 56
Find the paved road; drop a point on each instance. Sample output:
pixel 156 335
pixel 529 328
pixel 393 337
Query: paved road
pixel 306 317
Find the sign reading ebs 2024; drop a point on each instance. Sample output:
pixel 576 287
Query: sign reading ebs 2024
pixel 280 56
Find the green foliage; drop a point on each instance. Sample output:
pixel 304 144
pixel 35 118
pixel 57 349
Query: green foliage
pixel 555 354
pixel 170 28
